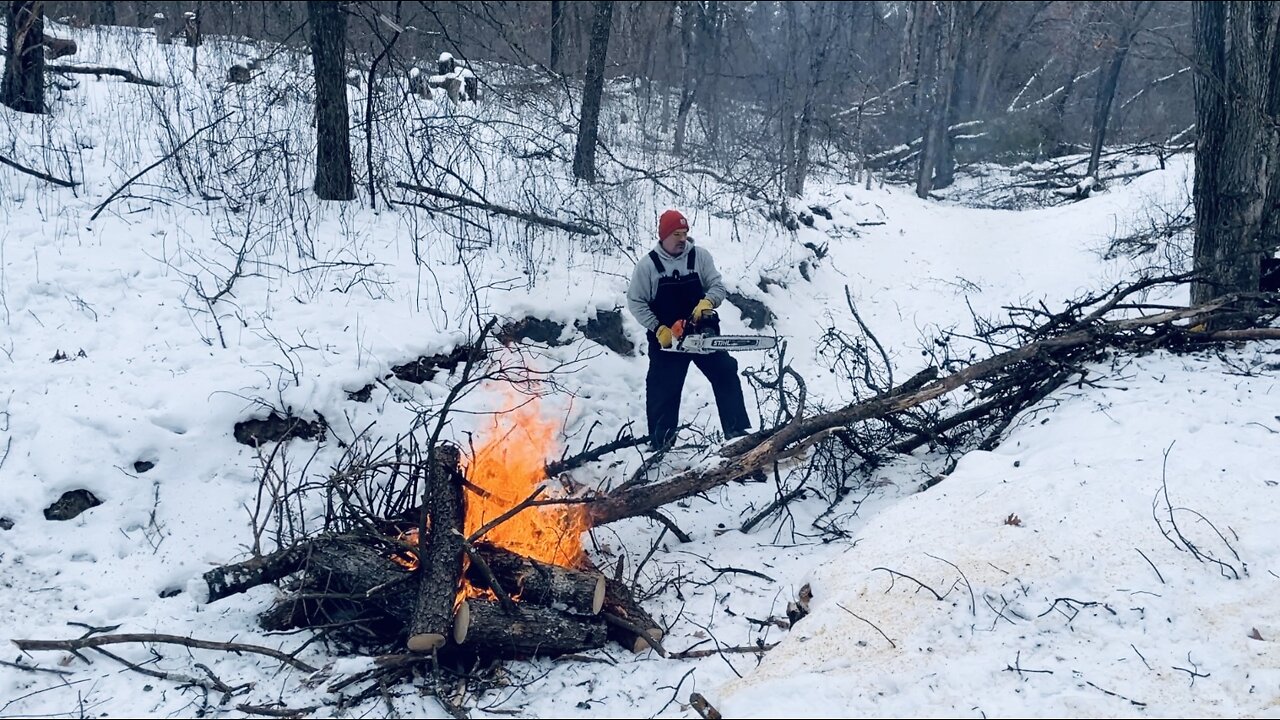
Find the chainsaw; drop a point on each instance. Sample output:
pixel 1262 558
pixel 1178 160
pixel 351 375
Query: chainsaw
pixel 703 337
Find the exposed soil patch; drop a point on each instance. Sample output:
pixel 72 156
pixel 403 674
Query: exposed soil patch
pixel 71 504
pixel 275 428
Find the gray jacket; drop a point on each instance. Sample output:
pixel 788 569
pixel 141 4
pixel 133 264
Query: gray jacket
pixel 644 281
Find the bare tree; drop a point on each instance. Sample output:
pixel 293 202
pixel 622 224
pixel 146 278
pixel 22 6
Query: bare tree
pixel 818 34
pixel 584 155
pixel 1271 213
pixel 940 43
pixel 688 78
pixel 103 12
pixel 1234 52
pixel 333 142
pixel 1130 23
pixel 23 85
pixel 557 33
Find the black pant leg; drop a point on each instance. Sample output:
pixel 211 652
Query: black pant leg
pixel 721 370
pixel 663 385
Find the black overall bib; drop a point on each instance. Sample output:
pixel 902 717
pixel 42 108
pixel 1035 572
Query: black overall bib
pixel 676 296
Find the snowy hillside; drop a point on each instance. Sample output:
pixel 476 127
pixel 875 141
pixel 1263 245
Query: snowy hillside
pixel 216 289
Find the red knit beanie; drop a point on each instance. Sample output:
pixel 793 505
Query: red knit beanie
pixel 670 222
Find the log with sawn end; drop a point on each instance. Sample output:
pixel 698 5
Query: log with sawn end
pixel 629 624
pixel 532 581
pixel 538 630
pixel 440 553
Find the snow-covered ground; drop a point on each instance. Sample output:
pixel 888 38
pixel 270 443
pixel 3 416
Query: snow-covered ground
pixel 1061 594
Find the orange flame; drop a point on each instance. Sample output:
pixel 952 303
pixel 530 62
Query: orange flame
pixel 509 465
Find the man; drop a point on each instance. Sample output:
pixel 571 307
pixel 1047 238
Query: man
pixel 676 281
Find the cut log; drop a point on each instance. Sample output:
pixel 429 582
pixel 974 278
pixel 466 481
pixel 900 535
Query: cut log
pixel 366 575
pixel 229 580
pixel 347 580
pixel 440 553
pixel 485 626
pixel 629 625
pixel 531 581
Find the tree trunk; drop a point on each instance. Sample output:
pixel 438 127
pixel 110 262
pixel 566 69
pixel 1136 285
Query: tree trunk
pixel 227 580
pixel 944 171
pixel 557 33
pixel 103 12
pixel 1057 123
pixel 1107 84
pixel 688 80
pixel 1110 79
pixel 333 144
pixel 1271 214
pixel 584 155
pixel 943 46
pixel 23 85
pixel 344 579
pixel 1232 174
pixel 709 85
pixel 749 455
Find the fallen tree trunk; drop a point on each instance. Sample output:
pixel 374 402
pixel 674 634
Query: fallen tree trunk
pixel 538 630
pixel 353 578
pixel 98 71
pixel 758 451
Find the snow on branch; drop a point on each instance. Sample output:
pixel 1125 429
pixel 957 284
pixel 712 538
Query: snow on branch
pixel 1153 83
pixel 1061 89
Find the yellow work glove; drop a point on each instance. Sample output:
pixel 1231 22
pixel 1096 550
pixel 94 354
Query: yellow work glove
pixel 664 336
pixel 703 307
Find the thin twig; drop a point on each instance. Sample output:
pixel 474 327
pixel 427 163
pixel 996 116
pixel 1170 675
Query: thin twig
pixel 100 640
pixel 148 168
pixel 895 573
pixel 1118 695
pixel 743 649
pixel 504 599
pixel 1153 565
pixel 34 668
pixel 973 605
pixel 877 629
pixel 475 536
